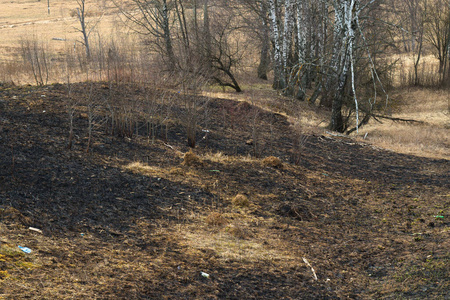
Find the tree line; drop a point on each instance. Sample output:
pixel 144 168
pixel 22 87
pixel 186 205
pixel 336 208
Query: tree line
pixel 333 53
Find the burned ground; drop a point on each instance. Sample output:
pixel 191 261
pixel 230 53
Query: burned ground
pixel 127 219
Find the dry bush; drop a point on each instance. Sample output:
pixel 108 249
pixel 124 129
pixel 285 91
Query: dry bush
pixel 272 161
pixel 192 79
pixel 240 200
pixel 216 219
pixel 35 56
pixel 191 159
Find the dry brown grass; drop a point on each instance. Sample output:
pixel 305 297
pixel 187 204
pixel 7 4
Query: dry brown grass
pixel 26 18
pixel 191 159
pixel 58 32
pixel 240 200
pixel 216 219
pixel 238 231
pixel 143 169
pixel 430 139
pixel 273 162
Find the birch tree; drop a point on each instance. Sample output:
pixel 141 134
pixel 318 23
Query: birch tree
pixel 342 61
pixel 329 65
pixel 279 81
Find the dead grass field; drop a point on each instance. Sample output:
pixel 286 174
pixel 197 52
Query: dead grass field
pixel 430 139
pixel 30 19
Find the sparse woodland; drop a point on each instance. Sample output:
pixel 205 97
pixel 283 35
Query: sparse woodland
pixel 339 55
pixel 212 149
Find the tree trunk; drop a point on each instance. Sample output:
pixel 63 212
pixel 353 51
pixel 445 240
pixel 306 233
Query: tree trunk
pixel 288 28
pixel 207 34
pixel 279 82
pixel 301 46
pixel 264 58
pixel 167 37
pixel 81 14
pixel 342 59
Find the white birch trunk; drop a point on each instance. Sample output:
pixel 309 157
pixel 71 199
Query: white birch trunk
pixel 288 29
pixel 301 32
pixel 343 44
pixel 278 81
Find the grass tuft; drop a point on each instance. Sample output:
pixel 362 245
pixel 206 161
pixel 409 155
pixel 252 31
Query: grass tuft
pixel 216 219
pixel 191 159
pixel 240 200
pixel 273 162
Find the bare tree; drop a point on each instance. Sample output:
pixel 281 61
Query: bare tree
pixel 152 18
pixel 437 33
pixel 86 26
pixel 254 17
pixel 184 37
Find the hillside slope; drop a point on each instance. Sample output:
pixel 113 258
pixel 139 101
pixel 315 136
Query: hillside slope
pixel 132 220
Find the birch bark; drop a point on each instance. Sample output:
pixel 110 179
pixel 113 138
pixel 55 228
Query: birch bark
pixel 343 47
pixel 278 80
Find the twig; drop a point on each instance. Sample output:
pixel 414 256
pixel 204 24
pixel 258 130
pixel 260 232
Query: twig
pixel 167 145
pixel 399 119
pixel 336 134
pixel 312 269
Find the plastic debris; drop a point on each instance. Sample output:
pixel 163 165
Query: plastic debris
pixel 439 217
pixel 25 249
pixel 206 275
pixel 218 171
pixel 35 230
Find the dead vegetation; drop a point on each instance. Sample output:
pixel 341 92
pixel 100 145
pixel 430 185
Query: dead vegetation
pixel 273 162
pixel 191 159
pixel 141 218
pixel 240 201
pixel 268 205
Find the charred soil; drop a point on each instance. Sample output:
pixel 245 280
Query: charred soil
pixel 129 220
